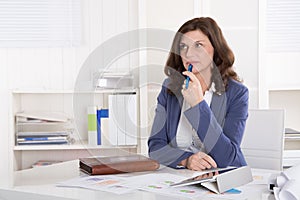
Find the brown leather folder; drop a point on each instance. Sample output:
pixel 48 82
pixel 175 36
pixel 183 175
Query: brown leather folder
pixel 117 164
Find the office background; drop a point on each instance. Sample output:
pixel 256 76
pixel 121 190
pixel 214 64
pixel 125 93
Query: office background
pixel 271 74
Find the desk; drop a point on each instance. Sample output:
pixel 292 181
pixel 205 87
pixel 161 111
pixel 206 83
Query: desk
pixel 39 183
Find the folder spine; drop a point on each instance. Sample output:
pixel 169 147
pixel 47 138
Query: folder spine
pixel 101 113
pixel 92 125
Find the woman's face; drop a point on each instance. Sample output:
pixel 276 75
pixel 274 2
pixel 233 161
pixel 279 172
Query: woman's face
pixel 196 49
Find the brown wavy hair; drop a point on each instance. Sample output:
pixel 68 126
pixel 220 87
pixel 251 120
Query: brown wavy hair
pixel 223 58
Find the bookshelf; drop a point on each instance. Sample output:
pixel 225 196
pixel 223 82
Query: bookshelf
pixel 62 101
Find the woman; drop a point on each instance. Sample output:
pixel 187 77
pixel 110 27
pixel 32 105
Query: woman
pixel 200 126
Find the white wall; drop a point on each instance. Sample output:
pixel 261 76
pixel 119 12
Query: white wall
pixel 5 147
pixel 239 22
pixel 57 68
pixel 167 16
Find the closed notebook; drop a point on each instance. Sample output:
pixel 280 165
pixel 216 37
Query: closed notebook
pixel 117 164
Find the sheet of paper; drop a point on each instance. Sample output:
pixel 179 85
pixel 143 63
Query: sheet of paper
pixel 288 184
pixel 292 172
pixel 107 183
pixel 146 179
pixel 160 183
pixel 290 191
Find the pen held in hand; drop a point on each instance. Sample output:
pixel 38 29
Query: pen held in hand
pixel 187 81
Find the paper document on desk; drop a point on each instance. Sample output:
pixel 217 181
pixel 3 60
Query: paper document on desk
pixel 125 183
pixel 287 184
pixel 106 183
pixel 160 183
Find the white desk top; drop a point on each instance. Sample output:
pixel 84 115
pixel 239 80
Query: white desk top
pixel 39 183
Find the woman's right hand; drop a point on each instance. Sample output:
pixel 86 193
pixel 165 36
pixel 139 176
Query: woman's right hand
pixel 200 161
pixel 194 93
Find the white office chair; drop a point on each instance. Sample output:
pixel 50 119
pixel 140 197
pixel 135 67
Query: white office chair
pixel 263 140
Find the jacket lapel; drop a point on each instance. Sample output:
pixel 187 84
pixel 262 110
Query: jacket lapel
pixel 218 107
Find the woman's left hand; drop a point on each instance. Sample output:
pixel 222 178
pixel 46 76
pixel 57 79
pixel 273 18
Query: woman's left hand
pixel 200 161
pixel 194 93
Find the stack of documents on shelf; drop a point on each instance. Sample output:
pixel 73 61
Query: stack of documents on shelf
pixel 39 128
pixel 43 137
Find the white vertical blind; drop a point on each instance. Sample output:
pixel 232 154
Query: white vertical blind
pixel 40 23
pixel 283 26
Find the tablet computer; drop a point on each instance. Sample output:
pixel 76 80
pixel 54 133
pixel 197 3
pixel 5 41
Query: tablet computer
pixel 208 176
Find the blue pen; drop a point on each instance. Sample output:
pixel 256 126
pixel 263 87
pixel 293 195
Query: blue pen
pixel 188 78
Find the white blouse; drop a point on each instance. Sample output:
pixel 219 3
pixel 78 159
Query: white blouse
pixel 186 137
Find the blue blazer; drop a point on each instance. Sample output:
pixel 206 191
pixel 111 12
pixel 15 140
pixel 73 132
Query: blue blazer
pixel 219 127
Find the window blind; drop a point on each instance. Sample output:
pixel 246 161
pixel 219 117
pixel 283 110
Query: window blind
pixel 283 26
pixel 40 23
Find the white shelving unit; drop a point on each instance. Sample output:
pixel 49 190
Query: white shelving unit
pixel 291 157
pixel 62 101
pixel 288 99
pixel 291 153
